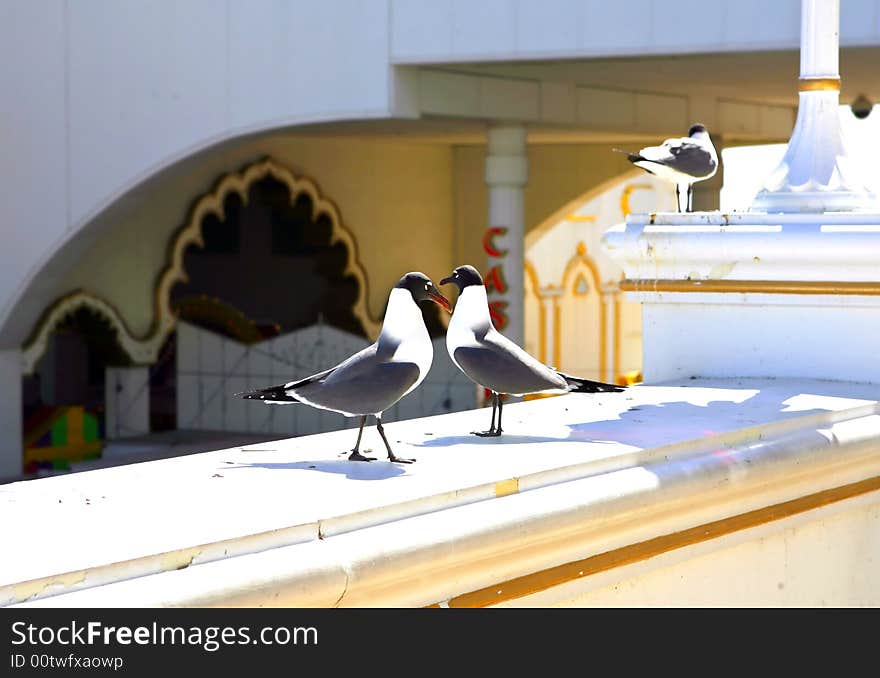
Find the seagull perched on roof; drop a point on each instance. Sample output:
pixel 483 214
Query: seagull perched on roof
pixel 493 361
pixel 681 161
pixel 372 380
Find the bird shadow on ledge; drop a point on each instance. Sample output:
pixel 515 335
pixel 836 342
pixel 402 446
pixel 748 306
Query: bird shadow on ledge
pixel 380 469
pixel 647 425
pixel 503 439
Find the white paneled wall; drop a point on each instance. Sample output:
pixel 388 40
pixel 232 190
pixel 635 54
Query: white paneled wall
pixel 211 368
pixel 438 31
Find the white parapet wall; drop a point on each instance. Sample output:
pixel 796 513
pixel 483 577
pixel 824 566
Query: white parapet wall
pixel 769 488
pixel 753 294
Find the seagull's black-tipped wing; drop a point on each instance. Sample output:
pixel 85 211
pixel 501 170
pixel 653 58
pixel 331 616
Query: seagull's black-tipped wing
pixel 500 365
pixel 365 383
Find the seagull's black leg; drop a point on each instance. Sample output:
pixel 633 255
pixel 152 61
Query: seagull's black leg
pixel 492 432
pixel 677 198
pixel 690 196
pixel 391 455
pixel 355 455
pixel 500 405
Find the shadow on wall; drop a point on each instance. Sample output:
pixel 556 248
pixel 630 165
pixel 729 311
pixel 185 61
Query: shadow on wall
pixel 665 421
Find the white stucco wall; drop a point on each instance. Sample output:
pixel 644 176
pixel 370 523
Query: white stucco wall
pixel 426 31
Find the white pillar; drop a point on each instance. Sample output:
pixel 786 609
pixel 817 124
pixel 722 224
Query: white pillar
pixel 506 175
pixel 11 452
pixel 127 398
pixel 815 175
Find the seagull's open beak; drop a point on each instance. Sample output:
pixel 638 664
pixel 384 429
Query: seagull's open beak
pixel 439 299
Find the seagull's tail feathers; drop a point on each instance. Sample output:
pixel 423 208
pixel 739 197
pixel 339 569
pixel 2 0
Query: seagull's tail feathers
pixel 272 394
pixel 579 385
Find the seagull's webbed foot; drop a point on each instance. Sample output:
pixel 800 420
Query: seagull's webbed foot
pixel 491 433
pixel 357 456
pixel 394 459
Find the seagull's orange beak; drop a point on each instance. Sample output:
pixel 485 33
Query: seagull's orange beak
pixel 439 299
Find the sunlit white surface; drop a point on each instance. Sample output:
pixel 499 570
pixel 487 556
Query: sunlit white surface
pixel 117 523
pixel 747 167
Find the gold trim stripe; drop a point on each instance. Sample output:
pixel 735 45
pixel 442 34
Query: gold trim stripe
pixel 819 85
pixel 752 286
pixel 506 487
pixel 554 576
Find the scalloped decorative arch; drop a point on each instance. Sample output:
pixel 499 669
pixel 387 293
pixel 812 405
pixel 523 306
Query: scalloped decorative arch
pixel 212 203
pixel 145 349
pixel 138 350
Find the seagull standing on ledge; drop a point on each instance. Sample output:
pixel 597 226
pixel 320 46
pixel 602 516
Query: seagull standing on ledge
pixel 681 161
pixel 493 361
pixel 372 380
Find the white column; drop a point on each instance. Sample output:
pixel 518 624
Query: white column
pixel 127 398
pixel 506 175
pixel 815 175
pixel 11 452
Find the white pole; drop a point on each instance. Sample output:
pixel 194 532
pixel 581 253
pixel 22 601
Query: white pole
pixel 820 38
pixel 815 175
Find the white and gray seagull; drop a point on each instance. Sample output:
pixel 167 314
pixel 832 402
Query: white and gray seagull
pixel 372 380
pixel 682 161
pixel 493 361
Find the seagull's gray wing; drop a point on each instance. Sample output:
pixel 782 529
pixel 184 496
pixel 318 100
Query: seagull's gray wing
pixel 366 383
pixel 683 155
pixel 501 366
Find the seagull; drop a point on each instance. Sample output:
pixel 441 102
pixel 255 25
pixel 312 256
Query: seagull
pixel 373 379
pixel 493 361
pixel 681 161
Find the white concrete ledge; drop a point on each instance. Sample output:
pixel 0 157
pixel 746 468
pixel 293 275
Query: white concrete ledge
pixel 298 525
pixel 748 246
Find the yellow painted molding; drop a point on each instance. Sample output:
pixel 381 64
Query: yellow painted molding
pixel 627 191
pixel 506 487
pixel 751 286
pixel 633 553
pixel 819 85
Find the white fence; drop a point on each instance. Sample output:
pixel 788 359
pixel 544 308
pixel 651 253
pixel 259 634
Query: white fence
pixel 210 368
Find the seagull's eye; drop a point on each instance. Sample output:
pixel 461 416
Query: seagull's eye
pixel 427 286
